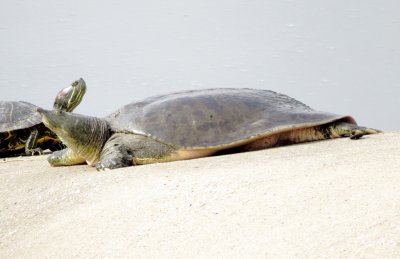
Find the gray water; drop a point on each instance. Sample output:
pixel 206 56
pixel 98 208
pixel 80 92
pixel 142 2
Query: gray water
pixel 339 56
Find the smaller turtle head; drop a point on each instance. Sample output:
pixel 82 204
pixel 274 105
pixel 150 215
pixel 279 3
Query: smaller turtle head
pixel 84 135
pixel 71 96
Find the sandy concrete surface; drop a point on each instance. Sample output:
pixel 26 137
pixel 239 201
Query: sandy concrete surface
pixel 328 199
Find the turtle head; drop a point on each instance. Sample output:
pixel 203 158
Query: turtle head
pixel 71 96
pixel 83 135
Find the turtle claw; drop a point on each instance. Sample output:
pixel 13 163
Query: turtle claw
pixel 102 168
pixel 357 134
pixel 35 151
pixel 106 165
pixel 113 162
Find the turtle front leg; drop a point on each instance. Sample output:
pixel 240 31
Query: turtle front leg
pixel 127 149
pixel 65 157
pixel 344 129
pixel 30 145
pixel 115 154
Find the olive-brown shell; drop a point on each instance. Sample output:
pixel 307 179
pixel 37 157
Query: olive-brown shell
pixel 216 117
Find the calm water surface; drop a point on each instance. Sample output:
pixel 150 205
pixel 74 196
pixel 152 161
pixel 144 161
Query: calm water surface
pixel 338 56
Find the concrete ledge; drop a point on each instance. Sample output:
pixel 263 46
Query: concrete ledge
pixel 334 198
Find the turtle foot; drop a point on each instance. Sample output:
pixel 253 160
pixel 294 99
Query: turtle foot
pixel 358 132
pixel 115 162
pixel 36 151
pixel 114 155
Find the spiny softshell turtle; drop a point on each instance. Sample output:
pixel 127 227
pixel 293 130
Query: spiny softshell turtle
pixel 21 128
pixel 192 124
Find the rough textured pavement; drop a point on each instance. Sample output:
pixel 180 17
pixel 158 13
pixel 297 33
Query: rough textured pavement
pixel 335 198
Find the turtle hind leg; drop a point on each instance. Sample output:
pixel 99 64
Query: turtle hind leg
pixel 344 129
pixel 30 145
